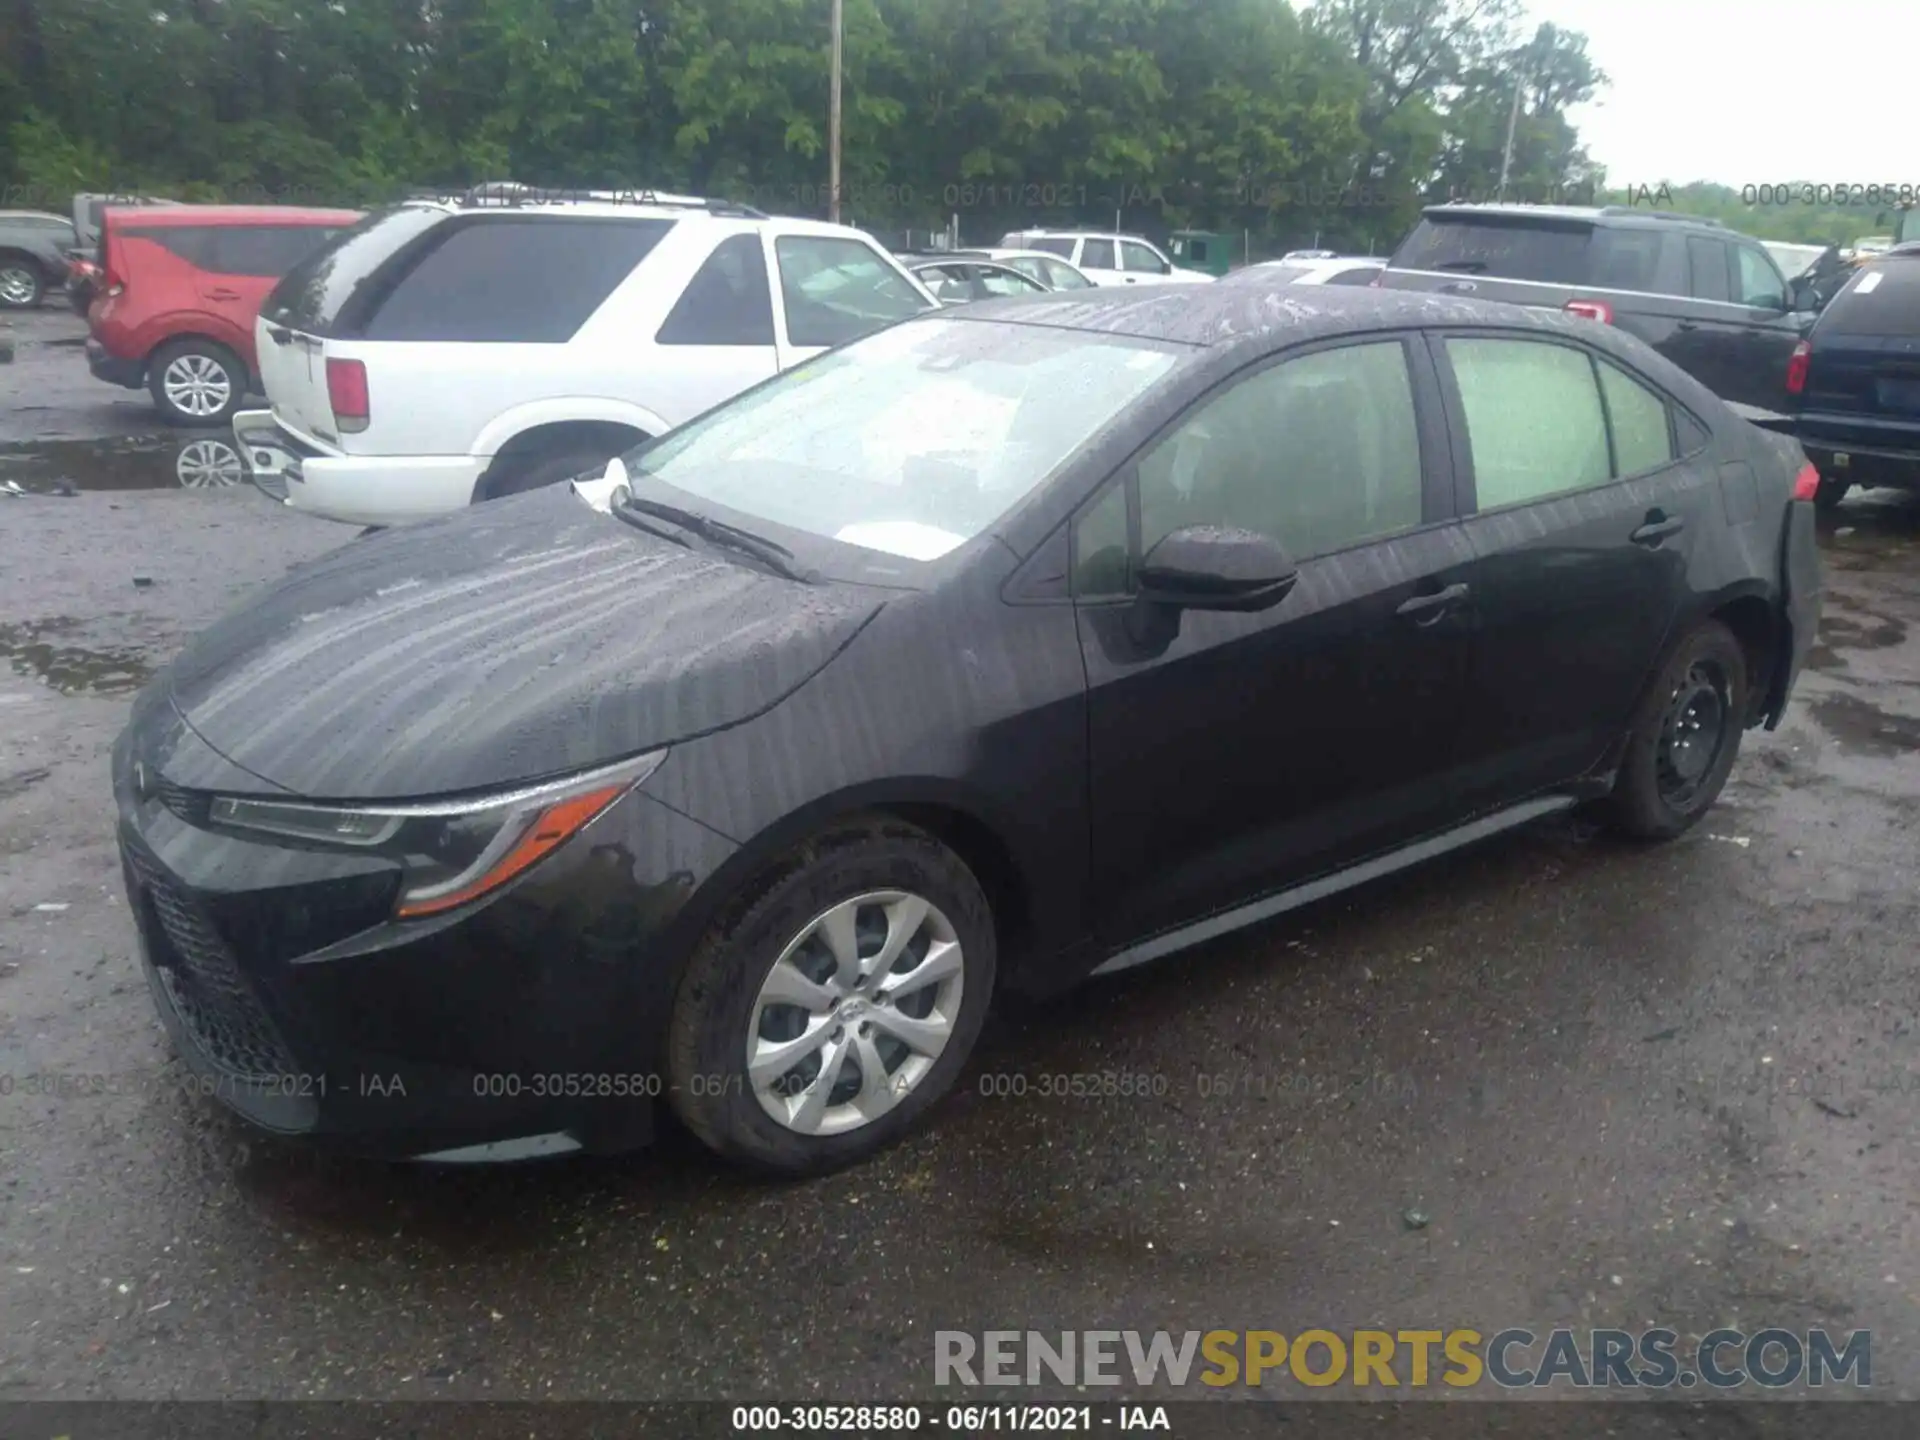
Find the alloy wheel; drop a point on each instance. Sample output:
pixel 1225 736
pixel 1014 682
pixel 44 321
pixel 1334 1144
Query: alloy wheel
pixel 1693 732
pixel 206 464
pixel 197 385
pixel 854 1013
pixel 17 285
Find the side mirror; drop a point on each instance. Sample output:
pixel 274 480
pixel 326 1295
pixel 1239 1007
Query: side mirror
pixel 1205 567
pixel 1803 293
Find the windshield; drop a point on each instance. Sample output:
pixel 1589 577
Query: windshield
pixel 911 441
pixel 1909 227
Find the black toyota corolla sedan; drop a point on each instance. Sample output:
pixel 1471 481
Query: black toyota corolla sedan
pixel 1001 648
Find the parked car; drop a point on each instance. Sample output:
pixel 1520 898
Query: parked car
pixel 1106 257
pixel 743 776
pixel 959 282
pixel 1332 270
pixel 1820 266
pixel 183 286
pixel 33 256
pixel 1310 255
pixel 1709 299
pixel 1856 381
pixel 90 210
pixel 443 354
pixel 1050 270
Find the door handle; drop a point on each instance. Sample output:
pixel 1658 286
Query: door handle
pixel 223 294
pixel 1425 609
pixel 1686 325
pixel 1656 530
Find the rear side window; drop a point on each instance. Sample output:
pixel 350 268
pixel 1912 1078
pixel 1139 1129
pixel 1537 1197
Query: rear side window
pixel 1534 421
pixel 728 301
pixel 191 243
pixel 1707 268
pixel 835 290
pixel 513 280
pixel 1624 259
pixel 1641 437
pixel 328 292
pixel 1098 255
pixel 1498 248
pixel 264 250
pixel 1883 299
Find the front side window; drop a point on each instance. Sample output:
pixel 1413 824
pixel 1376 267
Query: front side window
pixel 1319 453
pixel 1364 275
pixel 1060 245
pixel 911 441
pixel 1065 277
pixel 1534 421
pixel 946 283
pixel 835 290
pixel 1141 260
pixel 1098 255
pixel 1760 284
pixel 1642 439
pixel 728 301
pixel 996 281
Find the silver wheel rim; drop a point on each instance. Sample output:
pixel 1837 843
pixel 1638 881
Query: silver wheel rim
pixel 196 384
pixel 16 285
pixel 207 463
pixel 855 1013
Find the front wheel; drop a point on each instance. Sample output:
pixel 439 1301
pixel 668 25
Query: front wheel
pixel 196 382
pixel 819 1022
pixel 1685 738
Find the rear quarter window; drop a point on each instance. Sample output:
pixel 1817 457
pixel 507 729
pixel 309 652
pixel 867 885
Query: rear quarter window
pixel 1499 249
pixel 1882 300
pixel 512 280
pixel 265 250
pixel 191 243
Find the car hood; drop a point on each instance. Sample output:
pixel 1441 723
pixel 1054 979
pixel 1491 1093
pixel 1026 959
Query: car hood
pixel 522 639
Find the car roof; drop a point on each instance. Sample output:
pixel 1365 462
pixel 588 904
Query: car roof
pixel 34 215
pixel 166 216
pixel 1631 215
pixel 1218 315
pixel 717 213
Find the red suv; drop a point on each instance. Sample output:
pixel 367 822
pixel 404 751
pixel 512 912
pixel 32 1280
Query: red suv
pixel 180 287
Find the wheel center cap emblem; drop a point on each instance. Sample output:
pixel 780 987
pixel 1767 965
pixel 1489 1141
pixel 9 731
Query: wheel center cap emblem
pixel 853 1009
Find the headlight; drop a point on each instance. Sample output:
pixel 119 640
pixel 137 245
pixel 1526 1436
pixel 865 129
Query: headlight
pixel 455 851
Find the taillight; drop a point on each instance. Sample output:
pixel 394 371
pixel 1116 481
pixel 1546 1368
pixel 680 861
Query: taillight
pixel 1591 310
pixel 1797 368
pixel 1807 483
pixel 347 393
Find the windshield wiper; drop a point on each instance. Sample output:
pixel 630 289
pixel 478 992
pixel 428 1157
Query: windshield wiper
pixel 775 556
pixel 640 522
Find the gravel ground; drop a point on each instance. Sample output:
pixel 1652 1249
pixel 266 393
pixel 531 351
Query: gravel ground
pixel 1626 1086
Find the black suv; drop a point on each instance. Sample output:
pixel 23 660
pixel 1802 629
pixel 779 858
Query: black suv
pixel 1855 381
pixel 1708 298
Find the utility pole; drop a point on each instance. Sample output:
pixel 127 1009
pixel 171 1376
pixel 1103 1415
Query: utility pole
pixel 833 123
pixel 1521 73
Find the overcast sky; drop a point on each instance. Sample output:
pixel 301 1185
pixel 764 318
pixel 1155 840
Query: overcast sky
pixel 1752 93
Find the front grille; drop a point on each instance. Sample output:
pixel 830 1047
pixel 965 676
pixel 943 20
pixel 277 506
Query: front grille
pixel 213 999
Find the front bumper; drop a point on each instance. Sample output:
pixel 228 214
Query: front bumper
pixel 130 374
pixel 531 1023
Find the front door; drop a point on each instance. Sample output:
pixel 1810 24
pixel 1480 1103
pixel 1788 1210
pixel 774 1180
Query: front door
pixel 718 339
pixel 1588 509
pixel 1254 750
pixel 833 289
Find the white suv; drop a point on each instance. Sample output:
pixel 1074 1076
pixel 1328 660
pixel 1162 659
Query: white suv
pixel 439 354
pixel 1107 258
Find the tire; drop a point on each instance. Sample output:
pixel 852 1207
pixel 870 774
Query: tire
pixel 720 996
pixel 185 377
pixel 1666 783
pixel 1828 494
pixel 21 283
pixel 540 472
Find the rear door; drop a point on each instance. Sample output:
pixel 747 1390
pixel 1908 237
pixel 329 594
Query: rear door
pixel 1768 329
pixel 1589 490
pixel 240 266
pixel 836 288
pixel 1253 750
pixel 1099 260
pixel 718 338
